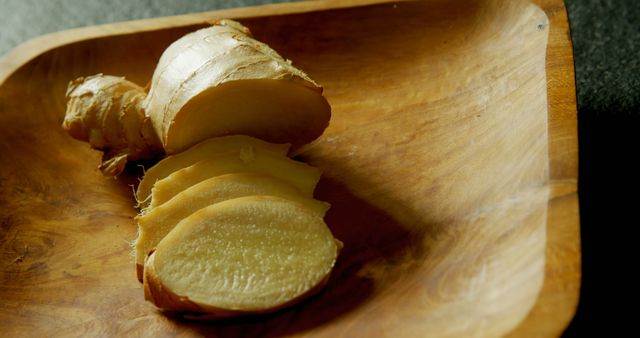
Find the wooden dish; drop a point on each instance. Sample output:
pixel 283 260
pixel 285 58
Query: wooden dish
pixel 450 162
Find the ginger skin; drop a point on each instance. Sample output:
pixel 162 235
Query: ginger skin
pixel 107 112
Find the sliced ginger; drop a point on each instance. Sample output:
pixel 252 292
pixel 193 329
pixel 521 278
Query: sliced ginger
pixel 246 255
pixel 232 219
pixel 157 223
pixel 200 151
pixel 300 175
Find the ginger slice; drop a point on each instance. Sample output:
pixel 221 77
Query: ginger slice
pixel 300 175
pixel 251 254
pixel 200 151
pixel 157 223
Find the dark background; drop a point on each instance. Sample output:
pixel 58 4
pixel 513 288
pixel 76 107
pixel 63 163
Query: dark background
pixel 606 45
pixel 606 40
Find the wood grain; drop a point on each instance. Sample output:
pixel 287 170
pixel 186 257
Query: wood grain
pixel 558 298
pixel 450 162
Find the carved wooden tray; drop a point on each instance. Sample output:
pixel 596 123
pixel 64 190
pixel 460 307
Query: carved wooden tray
pixel 450 162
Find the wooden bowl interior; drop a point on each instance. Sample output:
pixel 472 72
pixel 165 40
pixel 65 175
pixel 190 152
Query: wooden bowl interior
pixel 435 162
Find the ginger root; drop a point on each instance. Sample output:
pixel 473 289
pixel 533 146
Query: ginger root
pixel 213 82
pixel 107 112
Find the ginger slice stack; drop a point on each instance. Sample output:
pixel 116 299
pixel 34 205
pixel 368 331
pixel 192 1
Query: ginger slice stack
pixel 238 232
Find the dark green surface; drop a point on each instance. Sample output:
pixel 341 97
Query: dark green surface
pixel 606 38
pixel 606 41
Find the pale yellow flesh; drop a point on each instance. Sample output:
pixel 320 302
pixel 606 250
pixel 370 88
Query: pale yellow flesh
pixel 280 111
pixel 248 254
pixel 200 151
pixel 300 175
pixel 157 223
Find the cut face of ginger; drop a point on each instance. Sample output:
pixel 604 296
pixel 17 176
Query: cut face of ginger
pixel 159 221
pixel 200 151
pixel 246 255
pixel 277 111
pixel 300 175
